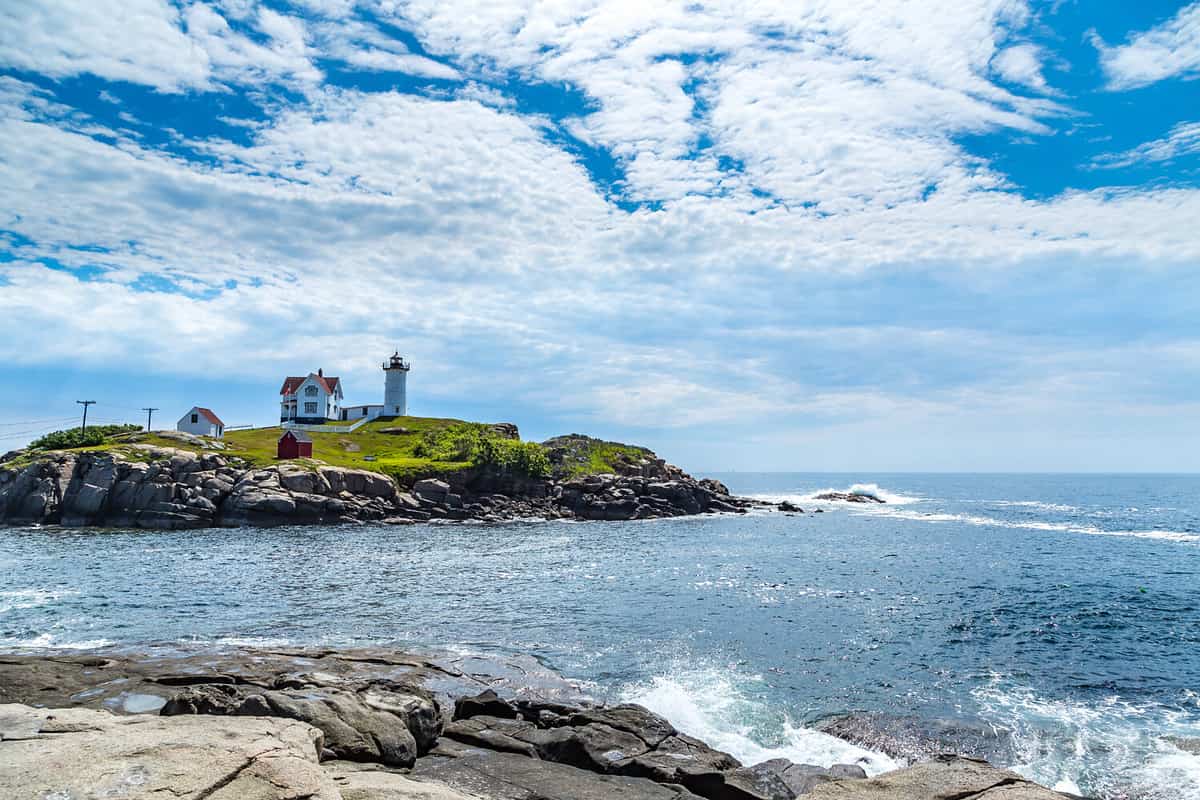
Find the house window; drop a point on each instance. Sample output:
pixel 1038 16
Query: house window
pixel 310 391
pixel 195 418
pixel 310 408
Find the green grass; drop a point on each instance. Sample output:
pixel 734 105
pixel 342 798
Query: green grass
pixel 393 453
pixel 587 456
pixel 406 456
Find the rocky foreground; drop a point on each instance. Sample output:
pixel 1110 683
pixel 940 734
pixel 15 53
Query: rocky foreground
pixel 374 725
pixel 156 487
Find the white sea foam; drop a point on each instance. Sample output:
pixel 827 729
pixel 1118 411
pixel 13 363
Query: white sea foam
pixel 1079 747
pixel 709 705
pixel 864 489
pixel 253 641
pixel 18 599
pixel 1039 505
pixel 1033 525
pixel 50 641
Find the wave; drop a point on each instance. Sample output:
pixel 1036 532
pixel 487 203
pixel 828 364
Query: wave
pixel 49 641
pixel 707 704
pixel 862 489
pixel 1033 525
pixel 1039 505
pixel 18 599
pixel 1082 747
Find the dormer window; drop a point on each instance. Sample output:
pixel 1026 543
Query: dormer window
pixel 310 391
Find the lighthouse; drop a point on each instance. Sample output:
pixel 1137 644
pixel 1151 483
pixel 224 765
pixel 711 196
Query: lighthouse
pixel 395 395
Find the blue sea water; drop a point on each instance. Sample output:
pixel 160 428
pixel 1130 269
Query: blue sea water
pixel 1060 611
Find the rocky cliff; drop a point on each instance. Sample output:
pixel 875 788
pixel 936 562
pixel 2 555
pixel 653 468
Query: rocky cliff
pixel 155 487
pixel 378 725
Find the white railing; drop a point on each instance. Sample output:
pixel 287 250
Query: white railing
pixel 353 426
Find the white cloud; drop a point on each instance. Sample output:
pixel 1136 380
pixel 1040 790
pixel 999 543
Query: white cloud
pixel 352 221
pixel 150 42
pixel 1167 50
pixel 1182 140
pixel 363 46
pixel 140 41
pixel 1021 64
pixel 824 102
pixel 236 58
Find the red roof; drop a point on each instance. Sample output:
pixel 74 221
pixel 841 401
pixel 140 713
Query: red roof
pixel 292 383
pixel 210 416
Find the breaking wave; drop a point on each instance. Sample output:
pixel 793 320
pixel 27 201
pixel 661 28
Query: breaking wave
pixel 1033 525
pixel 872 490
pixel 50 641
pixel 708 704
pixel 1082 748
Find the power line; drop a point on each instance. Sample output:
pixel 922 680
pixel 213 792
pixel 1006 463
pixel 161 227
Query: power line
pixel 44 429
pixel 36 422
pixel 30 432
pixel 149 414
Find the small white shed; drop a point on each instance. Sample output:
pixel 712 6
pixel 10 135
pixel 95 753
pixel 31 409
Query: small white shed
pixel 202 422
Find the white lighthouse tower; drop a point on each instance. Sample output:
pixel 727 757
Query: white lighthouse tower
pixel 395 394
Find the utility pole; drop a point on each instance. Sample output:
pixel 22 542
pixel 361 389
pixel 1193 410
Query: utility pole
pixel 149 414
pixel 85 404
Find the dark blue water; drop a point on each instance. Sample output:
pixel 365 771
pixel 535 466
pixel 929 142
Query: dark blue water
pixel 1064 610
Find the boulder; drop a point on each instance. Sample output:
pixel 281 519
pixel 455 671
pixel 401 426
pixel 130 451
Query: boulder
pixel 490 774
pixel 376 724
pixel 431 490
pixel 371 782
pixel 505 430
pixel 914 739
pixel 81 753
pixel 765 780
pixel 683 760
pixel 947 777
pixel 651 728
pixel 486 703
pixel 780 779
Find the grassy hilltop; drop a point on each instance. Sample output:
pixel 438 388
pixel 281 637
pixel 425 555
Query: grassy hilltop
pixel 406 448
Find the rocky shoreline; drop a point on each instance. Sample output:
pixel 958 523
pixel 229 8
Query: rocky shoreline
pixel 158 487
pixel 386 725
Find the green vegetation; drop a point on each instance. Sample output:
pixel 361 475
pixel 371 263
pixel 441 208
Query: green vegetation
pixel 81 437
pixel 482 445
pixel 575 455
pixel 407 448
pixel 386 444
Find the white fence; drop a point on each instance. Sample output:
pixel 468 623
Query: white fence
pixel 296 426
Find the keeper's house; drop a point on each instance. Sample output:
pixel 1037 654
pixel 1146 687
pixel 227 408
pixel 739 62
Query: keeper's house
pixel 312 399
pixel 202 422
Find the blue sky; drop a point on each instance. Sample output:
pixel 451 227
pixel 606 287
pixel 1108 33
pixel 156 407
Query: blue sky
pixel 795 235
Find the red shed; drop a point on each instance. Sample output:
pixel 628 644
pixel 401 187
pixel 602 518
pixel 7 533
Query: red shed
pixel 294 444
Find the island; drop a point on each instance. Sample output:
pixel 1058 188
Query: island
pixel 393 470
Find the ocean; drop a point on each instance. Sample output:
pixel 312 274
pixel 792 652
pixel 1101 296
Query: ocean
pixel 1048 622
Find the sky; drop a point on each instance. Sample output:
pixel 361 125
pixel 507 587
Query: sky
pixel 891 235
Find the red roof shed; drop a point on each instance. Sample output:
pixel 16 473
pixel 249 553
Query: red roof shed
pixel 294 444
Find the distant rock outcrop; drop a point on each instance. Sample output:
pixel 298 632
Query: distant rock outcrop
pixel 849 497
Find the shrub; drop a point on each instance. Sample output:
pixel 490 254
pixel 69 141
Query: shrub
pixel 482 446
pixel 76 437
